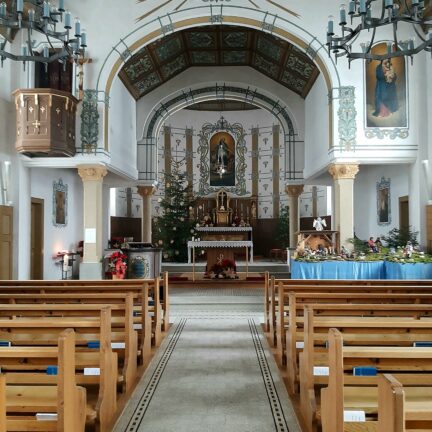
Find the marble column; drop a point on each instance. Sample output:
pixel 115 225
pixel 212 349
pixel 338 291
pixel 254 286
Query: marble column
pixel 343 176
pixel 293 191
pixel 92 177
pixel 146 193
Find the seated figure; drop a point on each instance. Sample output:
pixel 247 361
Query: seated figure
pixel 372 245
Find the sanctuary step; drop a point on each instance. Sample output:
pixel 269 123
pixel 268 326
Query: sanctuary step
pixel 175 268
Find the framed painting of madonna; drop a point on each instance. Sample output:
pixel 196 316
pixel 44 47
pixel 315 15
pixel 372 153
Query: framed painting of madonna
pixel 222 159
pixel 222 150
pixel 385 93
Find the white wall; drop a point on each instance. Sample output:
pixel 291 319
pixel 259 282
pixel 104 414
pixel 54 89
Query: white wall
pixel 365 198
pixel 58 239
pixel 316 128
pixel 122 129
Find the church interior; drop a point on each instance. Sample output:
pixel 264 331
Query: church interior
pixel 216 215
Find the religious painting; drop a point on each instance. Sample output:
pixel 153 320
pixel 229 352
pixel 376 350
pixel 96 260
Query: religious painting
pixel 383 202
pixel 222 159
pixel 222 150
pixel 386 92
pixel 60 197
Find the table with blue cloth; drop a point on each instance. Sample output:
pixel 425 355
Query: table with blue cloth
pixel 359 270
pixel 338 270
pixel 395 270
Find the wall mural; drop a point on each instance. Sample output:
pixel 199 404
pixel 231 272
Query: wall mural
pixel 383 202
pixel 222 147
pixel 386 96
pixel 60 202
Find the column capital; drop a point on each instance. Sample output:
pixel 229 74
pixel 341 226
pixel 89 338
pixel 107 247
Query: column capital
pixel 92 172
pixel 294 190
pixel 146 190
pixel 343 171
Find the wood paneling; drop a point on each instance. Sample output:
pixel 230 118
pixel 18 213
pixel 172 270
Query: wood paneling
pixel 429 226
pixel 45 122
pixel 37 238
pixel 126 227
pixel 6 239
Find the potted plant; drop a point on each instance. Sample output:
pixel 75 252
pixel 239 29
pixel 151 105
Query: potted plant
pixel 117 265
pixel 225 269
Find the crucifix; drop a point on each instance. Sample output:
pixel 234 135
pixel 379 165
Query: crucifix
pixel 80 75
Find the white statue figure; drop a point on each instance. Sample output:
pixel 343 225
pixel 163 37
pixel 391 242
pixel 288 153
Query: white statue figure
pixel 319 224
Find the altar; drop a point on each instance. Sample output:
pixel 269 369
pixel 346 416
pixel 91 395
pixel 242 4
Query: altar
pixel 221 247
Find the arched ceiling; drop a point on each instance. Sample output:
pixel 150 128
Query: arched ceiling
pixel 218 45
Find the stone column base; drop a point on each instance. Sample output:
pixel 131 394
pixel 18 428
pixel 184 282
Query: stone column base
pixel 90 271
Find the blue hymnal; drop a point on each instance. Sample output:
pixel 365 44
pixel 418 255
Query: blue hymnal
pixel 151 303
pixel 93 344
pixel 4 343
pixel 364 371
pixel 51 370
pixel 424 344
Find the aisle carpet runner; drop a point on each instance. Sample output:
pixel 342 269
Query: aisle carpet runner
pixel 211 375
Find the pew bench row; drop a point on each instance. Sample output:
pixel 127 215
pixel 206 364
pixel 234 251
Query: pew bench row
pixel 115 327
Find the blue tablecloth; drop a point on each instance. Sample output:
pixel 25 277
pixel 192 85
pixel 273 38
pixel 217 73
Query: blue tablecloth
pixel 338 270
pixel 408 270
pixel 359 270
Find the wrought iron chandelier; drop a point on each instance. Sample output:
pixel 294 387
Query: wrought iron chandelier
pixel 54 22
pixel 391 13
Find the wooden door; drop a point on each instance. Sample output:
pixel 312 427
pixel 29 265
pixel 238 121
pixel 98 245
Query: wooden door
pixel 37 235
pixel 403 212
pixel 6 249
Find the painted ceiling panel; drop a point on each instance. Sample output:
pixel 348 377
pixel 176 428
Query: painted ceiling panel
pixel 218 46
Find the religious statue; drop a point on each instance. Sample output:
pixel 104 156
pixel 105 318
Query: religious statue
pixel 409 249
pixel 319 224
pixel 253 210
pixel 222 152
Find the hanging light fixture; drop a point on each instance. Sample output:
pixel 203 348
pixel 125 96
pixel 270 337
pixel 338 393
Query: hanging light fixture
pixel 54 22
pixel 391 14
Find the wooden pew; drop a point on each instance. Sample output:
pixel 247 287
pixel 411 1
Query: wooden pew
pixel 144 286
pixel 370 332
pixel 161 308
pixel 65 398
pixel 279 288
pixel 362 393
pixel 101 405
pixel 287 318
pixel 122 331
pixel 141 312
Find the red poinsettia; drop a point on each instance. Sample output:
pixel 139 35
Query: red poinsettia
pixel 117 264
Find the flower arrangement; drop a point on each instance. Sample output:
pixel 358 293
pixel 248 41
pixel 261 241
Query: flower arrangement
pixel 117 265
pixel 225 269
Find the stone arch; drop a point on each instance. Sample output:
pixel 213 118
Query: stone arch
pixel 204 15
pixel 147 145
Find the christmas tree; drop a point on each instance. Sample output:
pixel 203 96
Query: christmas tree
pixel 282 228
pixel 176 226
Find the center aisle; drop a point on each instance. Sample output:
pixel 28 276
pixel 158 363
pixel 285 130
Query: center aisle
pixel 212 373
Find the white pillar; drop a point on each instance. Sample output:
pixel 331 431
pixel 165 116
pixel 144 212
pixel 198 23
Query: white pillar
pixel 146 193
pixel 343 176
pixel 92 177
pixel 293 191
